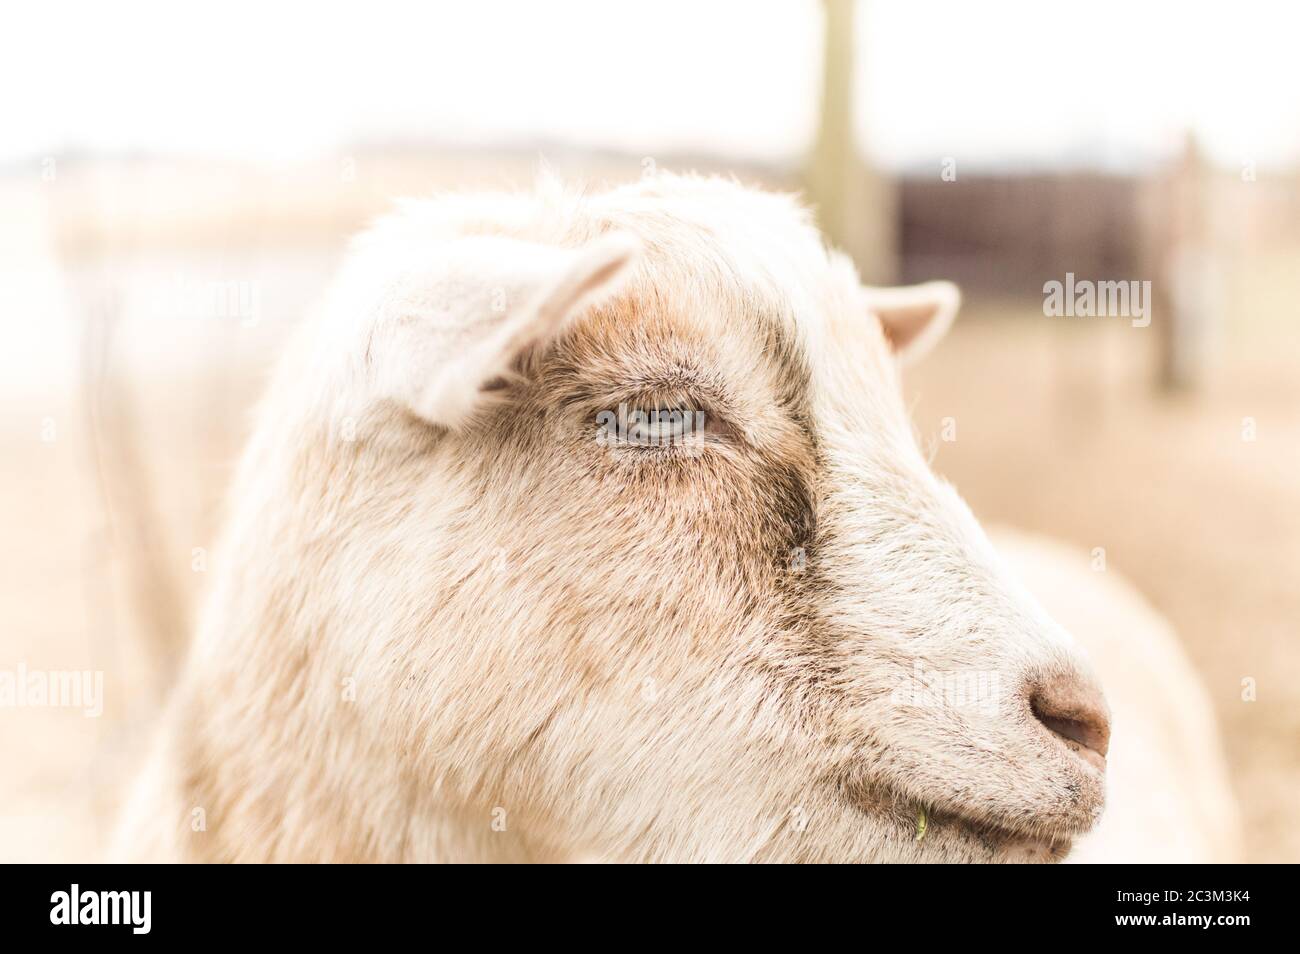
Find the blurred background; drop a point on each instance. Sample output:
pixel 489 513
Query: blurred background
pixel 177 185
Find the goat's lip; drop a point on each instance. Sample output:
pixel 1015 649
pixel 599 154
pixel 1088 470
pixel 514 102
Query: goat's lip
pixel 1006 843
pixel 1008 840
pixel 1091 757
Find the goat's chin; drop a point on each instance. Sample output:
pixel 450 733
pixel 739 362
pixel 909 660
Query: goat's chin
pixel 1008 845
pixel 946 835
pixel 952 839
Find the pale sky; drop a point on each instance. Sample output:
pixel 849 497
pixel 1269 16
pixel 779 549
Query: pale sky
pixel 995 83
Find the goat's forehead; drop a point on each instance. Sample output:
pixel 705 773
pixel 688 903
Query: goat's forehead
pixel 759 248
pixel 726 272
pixel 729 266
pixel 711 317
pixel 745 297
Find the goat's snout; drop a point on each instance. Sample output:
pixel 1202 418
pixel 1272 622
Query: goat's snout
pixel 1074 710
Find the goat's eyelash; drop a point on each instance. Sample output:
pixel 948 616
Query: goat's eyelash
pixel 660 423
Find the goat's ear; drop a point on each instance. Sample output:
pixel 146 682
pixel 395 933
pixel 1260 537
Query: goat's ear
pixel 492 307
pixel 914 317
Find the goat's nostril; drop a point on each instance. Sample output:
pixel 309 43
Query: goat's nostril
pixel 1077 712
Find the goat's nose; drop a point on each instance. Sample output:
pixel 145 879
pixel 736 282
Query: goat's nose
pixel 1076 711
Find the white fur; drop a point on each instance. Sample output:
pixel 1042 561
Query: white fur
pixel 562 650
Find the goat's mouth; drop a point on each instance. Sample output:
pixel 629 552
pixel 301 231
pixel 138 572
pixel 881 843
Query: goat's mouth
pixel 1000 842
pixel 952 833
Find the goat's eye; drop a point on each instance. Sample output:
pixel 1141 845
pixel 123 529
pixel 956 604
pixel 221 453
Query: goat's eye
pixel 663 426
pixel 655 427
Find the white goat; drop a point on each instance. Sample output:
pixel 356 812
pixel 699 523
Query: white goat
pixel 595 527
